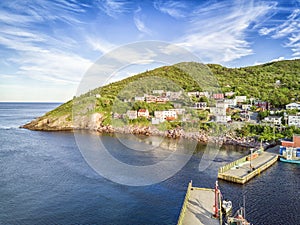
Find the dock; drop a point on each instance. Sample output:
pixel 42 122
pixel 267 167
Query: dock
pixel 198 207
pixel 243 169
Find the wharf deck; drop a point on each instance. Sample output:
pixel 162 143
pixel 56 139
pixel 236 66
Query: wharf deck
pixel 197 208
pixel 240 172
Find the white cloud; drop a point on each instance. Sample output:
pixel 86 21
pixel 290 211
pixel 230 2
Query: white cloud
pixel 138 21
pixel 175 9
pixel 289 29
pixel 217 32
pixel 278 59
pixel 98 44
pixel 113 8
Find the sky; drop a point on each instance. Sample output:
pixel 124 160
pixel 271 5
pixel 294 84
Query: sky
pixel 48 45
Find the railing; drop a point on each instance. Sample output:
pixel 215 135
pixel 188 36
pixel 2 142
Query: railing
pixel 232 164
pixel 244 179
pixel 185 202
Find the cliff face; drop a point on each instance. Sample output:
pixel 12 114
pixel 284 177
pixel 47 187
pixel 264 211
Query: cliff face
pixel 66 123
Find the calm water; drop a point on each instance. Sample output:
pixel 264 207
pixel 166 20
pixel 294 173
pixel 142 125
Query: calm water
pixel 45 180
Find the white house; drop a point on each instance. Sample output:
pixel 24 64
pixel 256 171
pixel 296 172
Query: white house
pixel 229 94
pixel 240 99
pixel 276 120
pixel 222 118
pixel 294 120
pixel 222 104
pixel 132 114
pixel 137 98
pixel 194 93
pixel 218 111
pixel 230 102
pixel 160 92
pixel 293 105
pixel 165 114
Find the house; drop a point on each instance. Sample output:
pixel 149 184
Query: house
pixel 276 120
pixel 165 114
pixel 293 105
pixel 204 93
pixel 218 111
pixel 200 105
pixel 137 98
pixel 132 114
pixel 143 113
pixel 179 111
pixel 223 118
pixel 294 120
pixel 150 99
pixel 246 107
pixel 161 99
pixel 262 104
pixel 218 96
pixel 194 93
pixel 177 105
pixel 230 102
pixel 158 114
pixel 222 104
pixel 295 143
pixel 159 92
pixel 98 96
pixel 240 99
pixel 117 115
pixel 173 95
pixel 229 94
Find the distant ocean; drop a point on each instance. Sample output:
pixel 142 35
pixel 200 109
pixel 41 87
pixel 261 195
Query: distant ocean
pixel 45 180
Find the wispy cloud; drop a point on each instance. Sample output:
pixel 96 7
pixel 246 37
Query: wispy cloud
pixel 113 8
pixel 36 54
pixel 289 29
pixel 53 66
pixel 139 23
pixel 175 9
pixel 99 44
pixel 218 32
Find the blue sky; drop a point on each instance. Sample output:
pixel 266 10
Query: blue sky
pixel 47 45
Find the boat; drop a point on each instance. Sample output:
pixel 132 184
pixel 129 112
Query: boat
pixel 238 218
pixel 289 160
pixel 289 154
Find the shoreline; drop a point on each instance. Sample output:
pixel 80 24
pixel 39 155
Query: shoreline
pixel 200 136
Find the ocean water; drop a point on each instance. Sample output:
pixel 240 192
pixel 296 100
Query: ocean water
pixel 44 179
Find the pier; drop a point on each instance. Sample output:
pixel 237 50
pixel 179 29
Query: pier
pixel 199 207
pixel 244 169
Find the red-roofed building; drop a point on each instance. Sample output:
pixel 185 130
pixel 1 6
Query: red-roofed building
pixel 218 96
pixel 143 113
pixel 295 143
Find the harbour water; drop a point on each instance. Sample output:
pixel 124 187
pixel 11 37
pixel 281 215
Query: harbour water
pixel 45 180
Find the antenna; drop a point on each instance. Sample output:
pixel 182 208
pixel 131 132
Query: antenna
pixel 244 203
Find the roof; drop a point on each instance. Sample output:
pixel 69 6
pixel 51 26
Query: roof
pixel 143 110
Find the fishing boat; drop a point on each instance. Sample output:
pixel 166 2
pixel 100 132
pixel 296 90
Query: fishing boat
pixel 289 154
pixel 238 218
pixel 289 160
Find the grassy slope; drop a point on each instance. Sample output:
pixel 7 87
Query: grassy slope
pixel 255 81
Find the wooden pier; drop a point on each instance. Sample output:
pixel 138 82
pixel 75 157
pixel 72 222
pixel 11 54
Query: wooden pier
pixel 243 169
pixel 197 208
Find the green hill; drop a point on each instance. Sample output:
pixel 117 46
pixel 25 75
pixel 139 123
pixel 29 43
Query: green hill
pixel 276 82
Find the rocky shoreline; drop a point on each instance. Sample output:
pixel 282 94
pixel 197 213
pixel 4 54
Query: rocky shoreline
pixel 94 123
pixel 201 136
